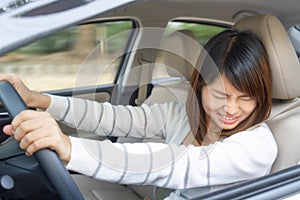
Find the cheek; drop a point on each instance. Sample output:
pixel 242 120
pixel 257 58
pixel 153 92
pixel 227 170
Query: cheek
pixel 211 104
pixel 207 102
pixel 248 107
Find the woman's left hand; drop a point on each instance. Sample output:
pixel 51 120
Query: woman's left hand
pixel 38 130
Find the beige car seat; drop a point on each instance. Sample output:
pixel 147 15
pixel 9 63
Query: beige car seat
pixel 179 54
pixel 285 69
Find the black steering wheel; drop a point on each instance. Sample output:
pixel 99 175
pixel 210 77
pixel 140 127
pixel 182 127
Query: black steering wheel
pixel 52 166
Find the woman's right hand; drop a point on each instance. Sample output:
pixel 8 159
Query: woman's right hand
pixel 29 126
pixel 36 130
pixel 31 98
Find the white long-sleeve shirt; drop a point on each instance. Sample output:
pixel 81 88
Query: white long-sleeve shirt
pixel 244 155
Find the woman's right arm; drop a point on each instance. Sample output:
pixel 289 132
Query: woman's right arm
pixel 104 118
pixel 117 120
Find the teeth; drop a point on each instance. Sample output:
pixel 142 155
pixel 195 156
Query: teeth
pixel 228 118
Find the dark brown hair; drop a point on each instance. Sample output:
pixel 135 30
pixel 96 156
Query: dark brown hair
pixel 242 58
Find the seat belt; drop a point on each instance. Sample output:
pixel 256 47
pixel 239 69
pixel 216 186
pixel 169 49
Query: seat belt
pixel 145 78
pixel 281 109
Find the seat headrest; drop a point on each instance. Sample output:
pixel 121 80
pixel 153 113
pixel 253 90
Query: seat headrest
pixel 285 67
pixel 180 53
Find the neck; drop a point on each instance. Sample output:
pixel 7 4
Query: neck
pixel 213 134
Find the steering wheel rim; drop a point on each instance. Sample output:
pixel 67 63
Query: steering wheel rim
pixel 52 166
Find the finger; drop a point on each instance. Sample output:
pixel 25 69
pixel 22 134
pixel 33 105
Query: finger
pixel 6 77
pixel 37 145
pixel 19 85
pixel 11 78
pixel 28 126
pixel 53 139
pixel 50 131
pixel 28 115
pixel 7 129
pixel 50 143
pixel 33 136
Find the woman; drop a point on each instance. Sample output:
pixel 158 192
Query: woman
pixel 227 98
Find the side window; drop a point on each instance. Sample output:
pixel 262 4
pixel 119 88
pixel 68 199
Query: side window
pixel 54 62
pixel 201 33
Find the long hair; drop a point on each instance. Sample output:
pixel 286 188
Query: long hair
pixel 241 57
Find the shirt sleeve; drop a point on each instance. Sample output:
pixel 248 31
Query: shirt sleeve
pixel 105 119
pixel 242 156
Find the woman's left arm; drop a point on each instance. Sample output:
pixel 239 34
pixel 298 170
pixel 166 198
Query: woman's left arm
pixel 243 156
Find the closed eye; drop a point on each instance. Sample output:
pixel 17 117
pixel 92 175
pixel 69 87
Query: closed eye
pixel 217 96
pixel 246 98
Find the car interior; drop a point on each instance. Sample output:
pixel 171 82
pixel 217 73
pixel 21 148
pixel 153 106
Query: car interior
pixel 286 104
pixel 285 70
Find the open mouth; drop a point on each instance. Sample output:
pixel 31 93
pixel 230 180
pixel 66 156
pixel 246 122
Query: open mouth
pixel 225 119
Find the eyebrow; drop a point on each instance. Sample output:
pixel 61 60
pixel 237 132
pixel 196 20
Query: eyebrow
pixel 225 94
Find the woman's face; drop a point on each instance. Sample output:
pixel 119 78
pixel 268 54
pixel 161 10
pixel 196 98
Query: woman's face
pixel 224 105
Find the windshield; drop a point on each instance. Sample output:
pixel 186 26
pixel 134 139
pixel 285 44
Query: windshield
pixel 8 5
pixel 23 21
pixel 52 7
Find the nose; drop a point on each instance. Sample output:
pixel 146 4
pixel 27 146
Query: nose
pixel 231 107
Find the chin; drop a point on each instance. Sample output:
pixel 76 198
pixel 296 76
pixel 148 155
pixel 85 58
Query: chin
pixel 227 127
